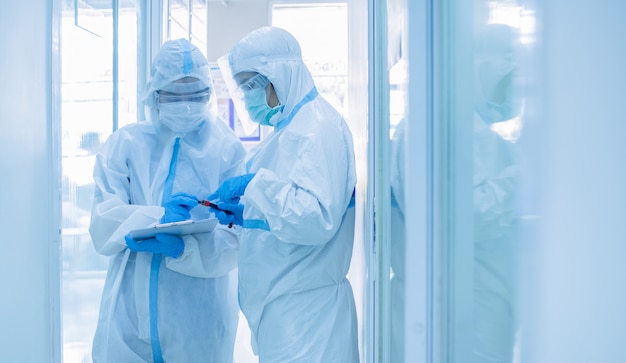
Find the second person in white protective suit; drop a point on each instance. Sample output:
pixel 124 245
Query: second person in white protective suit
pixel 296 206
pixel 497 172
pixel 169 298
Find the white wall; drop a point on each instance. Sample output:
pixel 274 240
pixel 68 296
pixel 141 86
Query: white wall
pixel 575 269
pixel 227 24
pixel 29 186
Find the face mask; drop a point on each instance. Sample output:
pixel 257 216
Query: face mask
pixel 183 117
pixel 256 104
pixel 502 104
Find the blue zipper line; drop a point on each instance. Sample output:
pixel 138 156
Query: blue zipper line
pixel 308 98
pixel 155 267
pixel 157 355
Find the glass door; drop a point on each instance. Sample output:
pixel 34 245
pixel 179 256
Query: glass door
pixel 502 38
pixel 99 82
pixel 449 108
pixel 105 55
pixel 395 274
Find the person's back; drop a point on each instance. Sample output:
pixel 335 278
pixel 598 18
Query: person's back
pixel 497 178
pixel 159 303
pixel 298 220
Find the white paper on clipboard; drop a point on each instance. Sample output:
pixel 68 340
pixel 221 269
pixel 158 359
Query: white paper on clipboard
pixel 176 228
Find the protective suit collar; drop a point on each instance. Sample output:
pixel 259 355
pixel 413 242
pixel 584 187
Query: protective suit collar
pixel 308 98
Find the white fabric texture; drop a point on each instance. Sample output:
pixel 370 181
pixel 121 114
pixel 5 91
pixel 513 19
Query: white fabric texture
pixel 197 306
pixel 292 278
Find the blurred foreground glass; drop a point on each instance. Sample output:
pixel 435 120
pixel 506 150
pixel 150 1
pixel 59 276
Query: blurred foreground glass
pixel 499 84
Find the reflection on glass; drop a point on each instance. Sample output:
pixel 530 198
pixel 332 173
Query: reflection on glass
pixel 398 243
pixel 397 60
pixel 497 100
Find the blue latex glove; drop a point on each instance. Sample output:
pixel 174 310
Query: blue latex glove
pixel 231 189
pixel 229 213
pixel 177 207
pixel 166 244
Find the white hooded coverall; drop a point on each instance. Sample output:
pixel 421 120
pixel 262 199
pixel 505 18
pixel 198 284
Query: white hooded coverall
pixel 296 244
pixel 183 309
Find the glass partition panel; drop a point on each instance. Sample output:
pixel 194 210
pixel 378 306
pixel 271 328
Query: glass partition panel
pixel 477 99
pixel 501 40
pixel 324 50
pixel 398 78
pixel 186 19
pixel 178 19
pixel 89 113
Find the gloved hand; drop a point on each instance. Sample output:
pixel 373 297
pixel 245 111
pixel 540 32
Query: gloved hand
pixel 177 207
pixel 231 189
pixel 166 244
pixel 229 213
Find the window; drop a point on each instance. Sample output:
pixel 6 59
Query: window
pixel 186 19
pixel 324 48
pixel 99 94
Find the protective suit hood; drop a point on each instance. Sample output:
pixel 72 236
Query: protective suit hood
pixel 498 92
pixel 276 54
pixel 175 60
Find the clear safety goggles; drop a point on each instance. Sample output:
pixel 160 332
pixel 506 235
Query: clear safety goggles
pixel 256 82
pixel 202 96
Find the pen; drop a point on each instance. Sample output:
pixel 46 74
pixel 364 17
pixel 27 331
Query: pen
pixel 208 203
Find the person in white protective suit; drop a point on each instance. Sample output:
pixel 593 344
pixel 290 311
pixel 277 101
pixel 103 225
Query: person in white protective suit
pixel 496 188
pixel 169 298
pixel 296 206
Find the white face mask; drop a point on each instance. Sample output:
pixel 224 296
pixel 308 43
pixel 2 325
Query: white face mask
pixel 183 117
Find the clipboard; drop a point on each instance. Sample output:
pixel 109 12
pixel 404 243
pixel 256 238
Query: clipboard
pixel 176 228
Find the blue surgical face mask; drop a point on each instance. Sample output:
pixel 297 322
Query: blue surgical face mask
pixel 258 109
